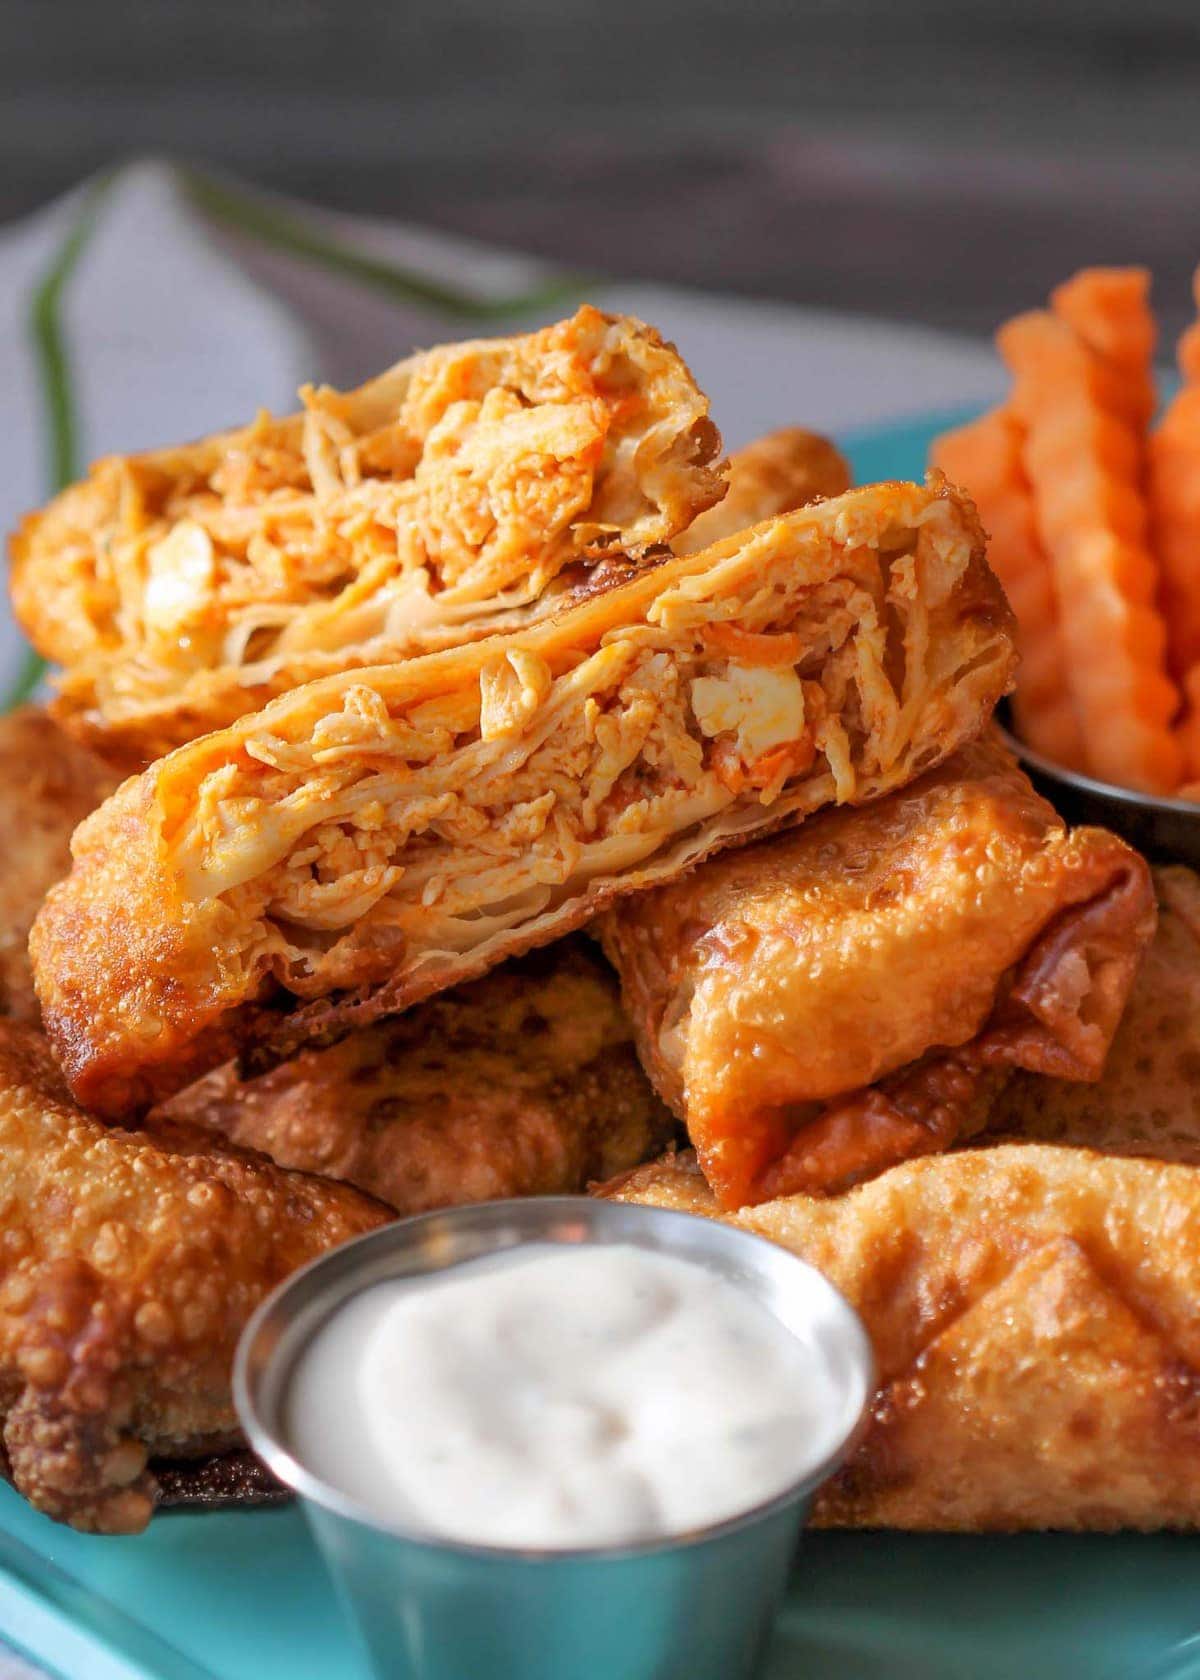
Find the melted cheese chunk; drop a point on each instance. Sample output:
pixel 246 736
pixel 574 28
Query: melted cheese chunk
pixel 182 570
pixel 762 705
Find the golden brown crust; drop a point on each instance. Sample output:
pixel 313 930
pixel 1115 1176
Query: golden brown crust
pixel 131 1262
pixel 822 1005
pixel 524 1083
pixel 48 784
pixel 370 840
pixel 774 474
pixel 188 586
pixel 1033 1314
pixel 1147 1100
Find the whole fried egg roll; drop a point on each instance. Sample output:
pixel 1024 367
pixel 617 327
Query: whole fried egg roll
pixel 130 1262
pixel 373 838
pixel 1033 1314
pixel 840 997
pixel 523 1083
pixel 436 504
pixel 48 784
pixel 777 472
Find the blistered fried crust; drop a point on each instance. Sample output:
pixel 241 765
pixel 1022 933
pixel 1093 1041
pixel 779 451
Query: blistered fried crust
pixel 841 997
pixel 1147 1100
pixel 188 586
pixel 524 1083
pixel 775 474
pixel 129 1264
pixel 1033 1313
pixel 368 841
pixel 48 784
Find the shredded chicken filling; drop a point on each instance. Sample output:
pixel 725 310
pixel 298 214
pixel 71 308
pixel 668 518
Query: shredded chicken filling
pixel 440 825
pixel 350 526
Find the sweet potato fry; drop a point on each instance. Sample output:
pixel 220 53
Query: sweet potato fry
pixel 1083 458
pixel 984 458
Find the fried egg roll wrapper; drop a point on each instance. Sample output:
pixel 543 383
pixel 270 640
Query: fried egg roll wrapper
pixel 1147 1099
pixel 523 1083
pixel 438 503
pixel 853 992
pixel 1033 1313
pixel 48 784
pixel 130 1262
pixel 775 474
pixel 376 837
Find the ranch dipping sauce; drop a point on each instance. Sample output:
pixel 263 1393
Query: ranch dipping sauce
pixel 561 1396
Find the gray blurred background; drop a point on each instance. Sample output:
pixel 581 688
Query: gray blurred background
pixel 939 160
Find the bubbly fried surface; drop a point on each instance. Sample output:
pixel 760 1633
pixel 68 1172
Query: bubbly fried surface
pixel 371 839
pixel 1033 1313
pixel 129 1264
pixel 774 474
pixel 48 784
pixel 840 997
pixel 1147 1100
pixel 188 586
pixel 524 1083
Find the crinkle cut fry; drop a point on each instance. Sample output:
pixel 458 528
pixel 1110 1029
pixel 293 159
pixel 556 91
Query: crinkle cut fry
pixel 1109 308
pixel 366 842
pixel 1032 1310
pixel 185 587
pixel 131 1263
pixel 1083 459
pixel 984 457
pixel 1175 509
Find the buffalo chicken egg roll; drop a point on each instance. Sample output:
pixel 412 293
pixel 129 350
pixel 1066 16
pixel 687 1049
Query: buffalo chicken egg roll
pixel 1033 1314
pixel 375 837
pixel 522 1083
pixel 1147 1100
pixel 130 1262
pixel 184 587
pixel 841 997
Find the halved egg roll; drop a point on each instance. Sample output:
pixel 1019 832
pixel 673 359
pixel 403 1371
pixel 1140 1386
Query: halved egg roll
pixel 776 473
pixel 523 1083
pixel 839 998
pixel 370 839
pixel 184 587
pixel 1033 1314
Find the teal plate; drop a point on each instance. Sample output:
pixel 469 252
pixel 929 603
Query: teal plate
pixel 244 1596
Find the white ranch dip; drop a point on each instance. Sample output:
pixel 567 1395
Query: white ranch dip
pixel 562 1396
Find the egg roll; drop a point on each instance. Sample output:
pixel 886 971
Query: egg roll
pixel 1147 1099
pixel 1033 1313
pixel 838 998
pixel 441 501
pixel 373 838
pixel 523 1083
pixel 776 473
pixel 48 784
pixel 130 1262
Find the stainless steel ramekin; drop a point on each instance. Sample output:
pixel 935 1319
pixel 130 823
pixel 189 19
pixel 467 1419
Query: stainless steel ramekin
pixel 697 1606
pixel 1165 829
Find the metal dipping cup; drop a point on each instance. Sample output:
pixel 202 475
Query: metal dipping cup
pixel 695 1606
